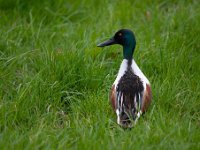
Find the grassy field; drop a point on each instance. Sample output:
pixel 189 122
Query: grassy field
pixel 54 81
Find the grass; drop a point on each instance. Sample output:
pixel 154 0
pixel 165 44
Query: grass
pixel 54 81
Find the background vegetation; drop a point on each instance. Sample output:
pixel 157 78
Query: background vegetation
pixel 54 81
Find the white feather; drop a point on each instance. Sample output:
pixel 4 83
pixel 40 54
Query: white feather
pixel 122 69
pixel 139 73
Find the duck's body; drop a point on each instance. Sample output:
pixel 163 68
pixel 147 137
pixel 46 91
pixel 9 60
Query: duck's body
pixel 130 94
pixel 130 89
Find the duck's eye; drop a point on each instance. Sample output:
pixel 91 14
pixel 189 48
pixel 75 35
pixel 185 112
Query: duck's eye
pixel 120 34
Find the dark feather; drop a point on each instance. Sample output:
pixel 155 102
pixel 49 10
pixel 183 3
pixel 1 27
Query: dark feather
pixel 129 87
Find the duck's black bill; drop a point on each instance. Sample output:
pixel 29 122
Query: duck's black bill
pixel 107 43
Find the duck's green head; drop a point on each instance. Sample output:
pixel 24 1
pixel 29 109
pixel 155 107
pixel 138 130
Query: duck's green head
pixel 124 37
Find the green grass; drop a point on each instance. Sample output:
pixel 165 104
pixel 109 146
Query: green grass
pixel 54 81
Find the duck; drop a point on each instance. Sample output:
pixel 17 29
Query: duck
pixel 130 94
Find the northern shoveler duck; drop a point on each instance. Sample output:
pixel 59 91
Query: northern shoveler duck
pixel 130 94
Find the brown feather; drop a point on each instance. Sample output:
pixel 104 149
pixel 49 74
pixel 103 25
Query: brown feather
pixel 146 98
pixel 113 97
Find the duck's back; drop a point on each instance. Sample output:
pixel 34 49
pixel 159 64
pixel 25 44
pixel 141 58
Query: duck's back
pixel 130 83
pixel 130 86
pixel 129 94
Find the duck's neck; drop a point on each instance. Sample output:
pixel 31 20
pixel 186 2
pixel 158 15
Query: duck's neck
pixel 129 63
pixel 128 52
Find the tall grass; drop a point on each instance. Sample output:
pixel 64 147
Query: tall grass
pixel 54 81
